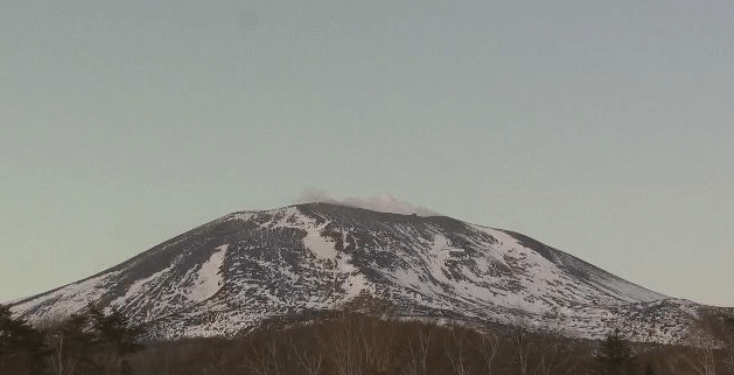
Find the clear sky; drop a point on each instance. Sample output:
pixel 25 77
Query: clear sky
pixel 603 128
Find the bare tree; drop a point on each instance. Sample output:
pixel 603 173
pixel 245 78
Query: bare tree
pixel 729 351
pixel 523 347
pixel 701 358
pixel 341 347
pixel 217 364
pixel 729 361
pixel 258 362
pixel 703 361
pixel 488 346
pixel 60 362
pixel 456 349
pixel 377 341
pixel 554 358
pixel 264 358
pixel 70 344
pixel 418 360
pixel 309 360
pixel 673 361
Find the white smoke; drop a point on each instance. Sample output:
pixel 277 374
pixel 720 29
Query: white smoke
pixel 383 202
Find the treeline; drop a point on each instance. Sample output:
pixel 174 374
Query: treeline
pixel 85 344
pixel 356 344
pixel 342 344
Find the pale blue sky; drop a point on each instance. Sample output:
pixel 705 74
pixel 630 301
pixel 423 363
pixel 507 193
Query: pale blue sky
pixel 602 128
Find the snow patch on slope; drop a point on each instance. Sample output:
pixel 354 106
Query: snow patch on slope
pixel 321 247
pixel 209 278
pixel 139 287
pixel 355 284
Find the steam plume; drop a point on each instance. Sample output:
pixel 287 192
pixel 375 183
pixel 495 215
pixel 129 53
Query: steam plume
pixel 383 202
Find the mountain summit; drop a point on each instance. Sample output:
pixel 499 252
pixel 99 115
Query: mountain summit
pixel 296 262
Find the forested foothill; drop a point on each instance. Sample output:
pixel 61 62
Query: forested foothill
pixel 344 343
pixel 89 343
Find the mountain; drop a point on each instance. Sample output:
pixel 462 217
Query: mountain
pixel 295 263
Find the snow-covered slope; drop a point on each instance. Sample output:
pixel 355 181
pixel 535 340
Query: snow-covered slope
pixel 296 262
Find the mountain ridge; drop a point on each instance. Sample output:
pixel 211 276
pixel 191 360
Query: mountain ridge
pixel 244 268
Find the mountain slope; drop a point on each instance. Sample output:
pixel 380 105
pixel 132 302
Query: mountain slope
pixel 246 268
